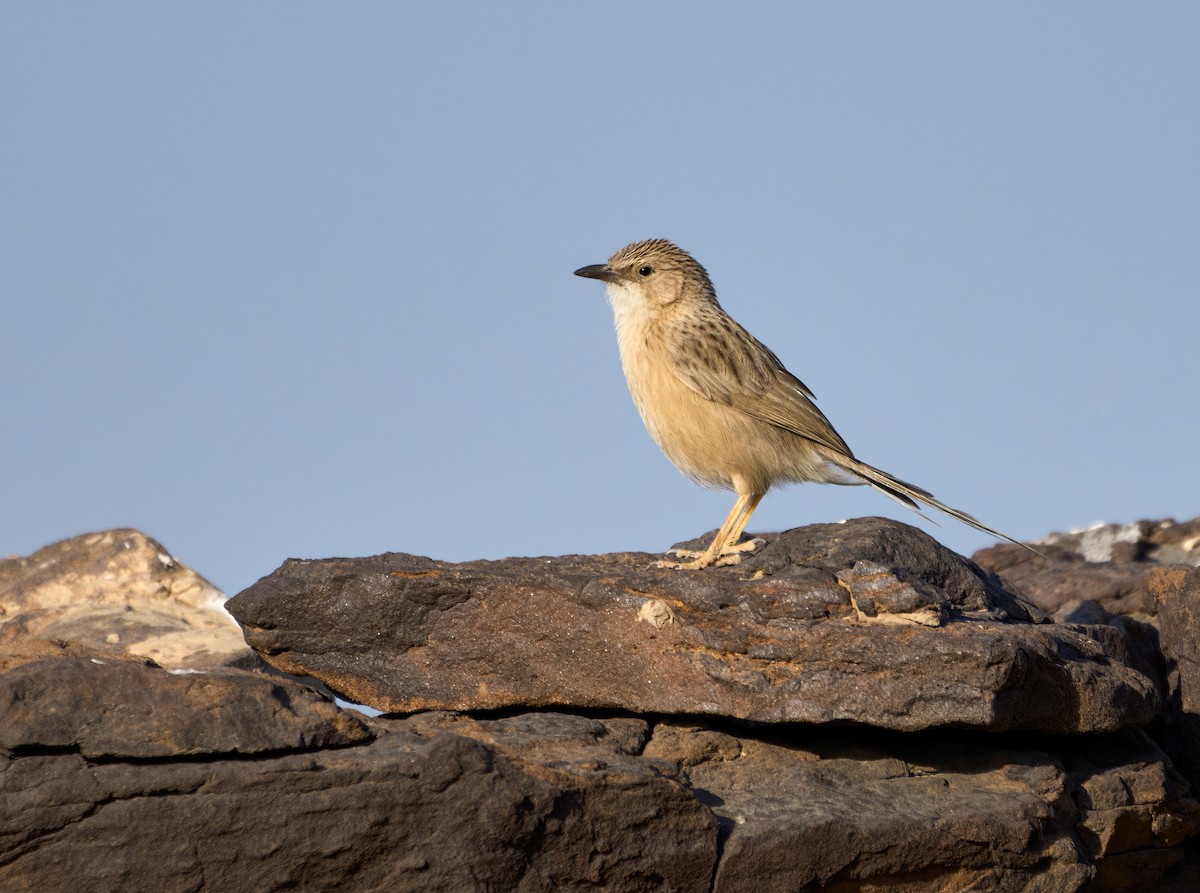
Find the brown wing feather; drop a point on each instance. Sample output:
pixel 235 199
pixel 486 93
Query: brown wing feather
pixel 721 361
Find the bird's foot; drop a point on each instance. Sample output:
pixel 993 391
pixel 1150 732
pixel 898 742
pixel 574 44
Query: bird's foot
pixel 702 559
pixel 733 550
pixel 730 555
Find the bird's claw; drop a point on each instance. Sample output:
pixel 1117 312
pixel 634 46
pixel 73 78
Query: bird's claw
pixel 730 555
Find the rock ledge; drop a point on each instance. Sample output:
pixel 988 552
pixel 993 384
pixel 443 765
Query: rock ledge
pixel 870 622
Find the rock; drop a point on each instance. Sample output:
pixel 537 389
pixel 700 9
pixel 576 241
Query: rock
pixel 404 812
pixel 870 622
pixel 1173 542
pixel 121 709
pixel 1156 542
pixel 1082 611
pixel 821 811
pixel 1141 579
pixel 940 812
pixel 1177 594
pixel 1134 811
pixel 117 593
pixel 1111 564
pixel 611 801
pixel 808 808
pixel 116 774
pixel 547 802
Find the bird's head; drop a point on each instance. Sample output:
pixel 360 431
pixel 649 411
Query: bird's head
pixel 651 275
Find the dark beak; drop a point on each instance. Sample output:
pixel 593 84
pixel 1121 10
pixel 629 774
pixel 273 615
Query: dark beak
pixel 597 271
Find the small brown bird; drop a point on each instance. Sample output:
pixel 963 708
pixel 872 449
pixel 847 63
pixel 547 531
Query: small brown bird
pixel 719 404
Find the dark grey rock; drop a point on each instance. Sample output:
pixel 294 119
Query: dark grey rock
pixel 122 709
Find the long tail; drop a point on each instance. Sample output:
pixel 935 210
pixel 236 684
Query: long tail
pixel 908 495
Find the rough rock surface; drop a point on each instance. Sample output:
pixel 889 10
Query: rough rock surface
pixel 1140 578
pixel 870 621
pixel 118 775
pixel 122 709
pixel 403 812
pixel 1112 564
pixel 113 593
pixel 1178 622
pixel 543 802
pixel 940 812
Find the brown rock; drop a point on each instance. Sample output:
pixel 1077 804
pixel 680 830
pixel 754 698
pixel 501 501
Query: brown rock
pixel 622 821
pixel 18 647
pixel 1134 811
pixel 1109 563
pixel 105 791
pixel 806 808
pixel 117 593
pixel 118 775
pixel 406 812
pixel 1177 596
pixel 119 709
pixel 1138 578
pixel 548 802
pixel 827 814
pixel 870 621
pixel 1173 542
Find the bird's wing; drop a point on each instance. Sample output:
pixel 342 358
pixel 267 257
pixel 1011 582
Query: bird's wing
pixel 724 363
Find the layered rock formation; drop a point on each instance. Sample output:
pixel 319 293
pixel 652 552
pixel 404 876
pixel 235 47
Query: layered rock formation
pixel 1142 578
pixel 854 707
pixel 870 622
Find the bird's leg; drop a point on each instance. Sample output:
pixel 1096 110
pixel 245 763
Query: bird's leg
pixel 713 552
pixel 731 543
pixel 725 548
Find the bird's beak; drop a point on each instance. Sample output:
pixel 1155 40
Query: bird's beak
pixel 597 271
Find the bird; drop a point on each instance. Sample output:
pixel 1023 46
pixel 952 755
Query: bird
pixel 719 403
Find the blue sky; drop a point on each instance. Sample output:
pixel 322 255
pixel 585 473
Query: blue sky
pixel 288 279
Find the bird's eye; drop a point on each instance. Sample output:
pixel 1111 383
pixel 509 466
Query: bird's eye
pixel 646 270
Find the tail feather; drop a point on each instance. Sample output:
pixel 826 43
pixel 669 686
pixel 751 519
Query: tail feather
pixel 910 496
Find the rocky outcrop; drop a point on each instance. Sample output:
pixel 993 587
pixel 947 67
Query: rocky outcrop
pixel 1117 566
pixel 869 622
pixel 780 725
pixel 1140 578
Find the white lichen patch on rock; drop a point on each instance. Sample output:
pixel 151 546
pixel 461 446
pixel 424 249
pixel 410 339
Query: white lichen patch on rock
pixel 1096 543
